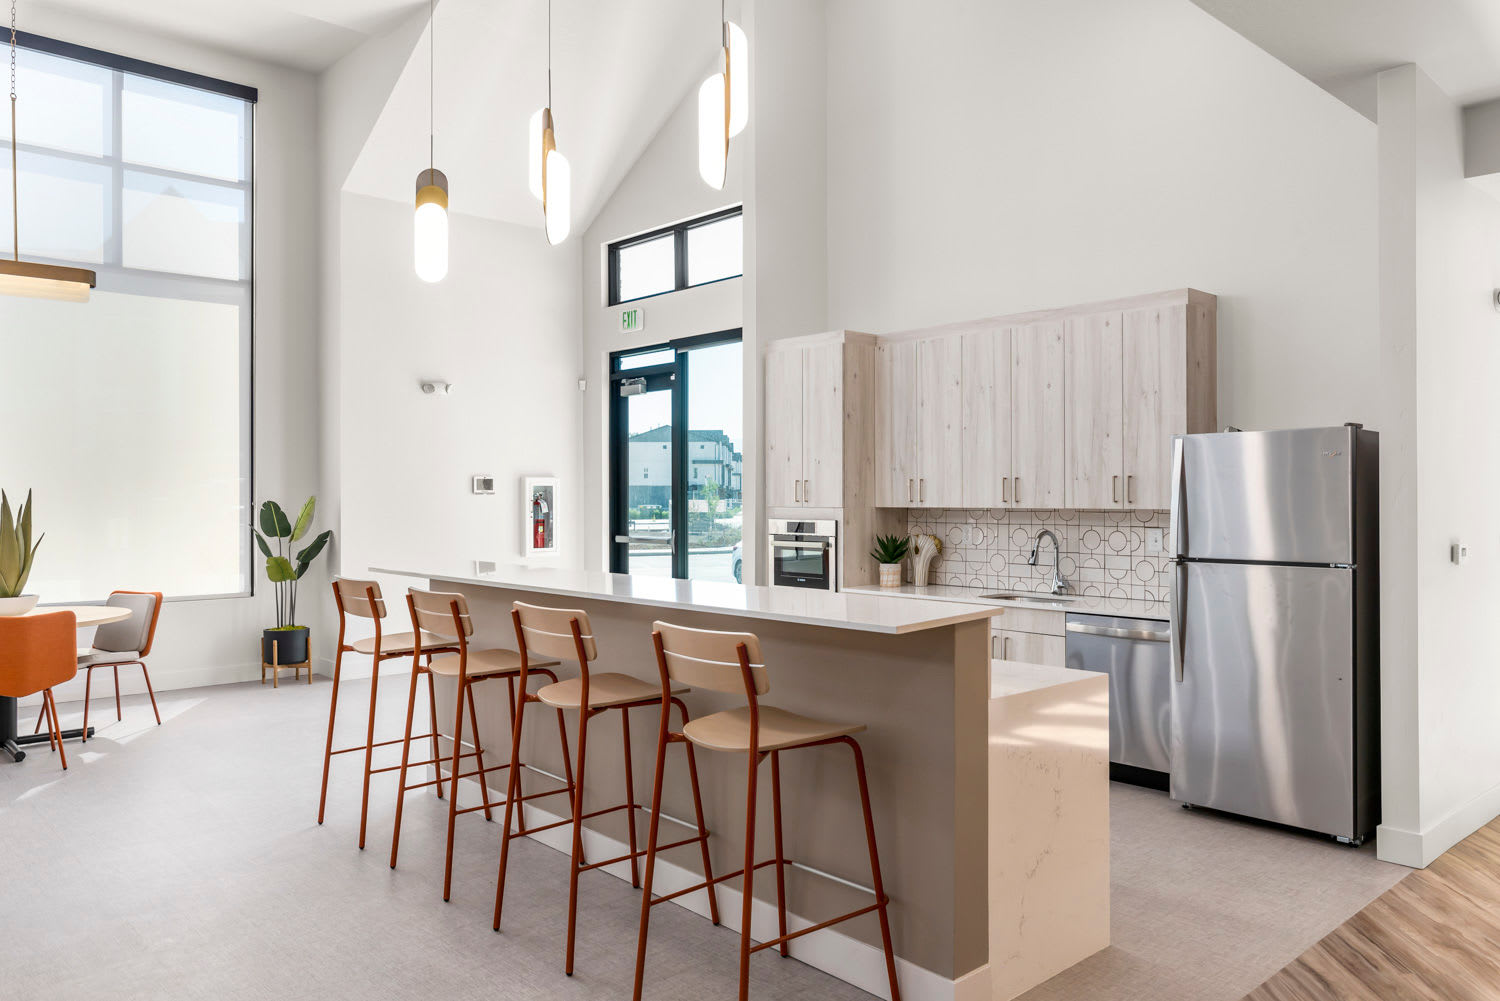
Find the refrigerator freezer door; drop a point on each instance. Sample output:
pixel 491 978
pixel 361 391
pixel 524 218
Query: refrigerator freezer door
pixel 1263 716
pixel 1266 496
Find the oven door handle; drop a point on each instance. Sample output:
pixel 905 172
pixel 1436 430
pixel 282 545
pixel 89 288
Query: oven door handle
pixel 823 544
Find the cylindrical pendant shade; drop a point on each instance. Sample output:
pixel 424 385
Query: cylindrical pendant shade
pixel 534 153
pixel 739 79
pixel 430 227
pixel 713 140
pixel 45 281
pixel 558 207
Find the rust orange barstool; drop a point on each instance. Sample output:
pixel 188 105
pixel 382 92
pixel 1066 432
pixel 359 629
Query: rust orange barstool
pixel 566 633
pixel 446 617
pixel 732 663
pixel 362 598
pixel 37 653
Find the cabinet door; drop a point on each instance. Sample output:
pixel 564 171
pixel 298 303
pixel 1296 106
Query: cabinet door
pixel 1037 430
pixel 1029 648
pixel 939 422
pixel 896 424
pixel 1155 401
pixel 823 425
pixel 784 434
pixel 1096 459
pixel 986 418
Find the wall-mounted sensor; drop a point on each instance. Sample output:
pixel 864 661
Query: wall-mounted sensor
pixel 432 387
pixel 1458 552
pixel 484 484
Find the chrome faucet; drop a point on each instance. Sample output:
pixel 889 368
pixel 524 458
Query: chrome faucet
pixel 1059 582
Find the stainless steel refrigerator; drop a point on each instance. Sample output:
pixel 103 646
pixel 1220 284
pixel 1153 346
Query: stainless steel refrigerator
pixel 1275 632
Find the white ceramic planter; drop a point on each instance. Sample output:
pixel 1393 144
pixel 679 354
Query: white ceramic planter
pixel 890 575
pixel 19 605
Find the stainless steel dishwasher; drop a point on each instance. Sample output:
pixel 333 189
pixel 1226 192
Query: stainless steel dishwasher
pixel 1136 654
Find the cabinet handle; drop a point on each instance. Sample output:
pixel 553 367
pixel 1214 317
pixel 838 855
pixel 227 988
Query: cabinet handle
pixel 1005 648
pixel 921 490
pixel 1018 490
pixel 796 491
pixel 807 491
pixel 995 648
pixel 909 482
pixel 1114 489
pixel 1130 489
pixel 1005 489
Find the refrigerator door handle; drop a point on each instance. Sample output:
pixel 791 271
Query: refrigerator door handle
pixel 1179 627
pixel 1179 501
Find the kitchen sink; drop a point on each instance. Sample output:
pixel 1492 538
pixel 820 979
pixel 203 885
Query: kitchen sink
pixel 1027 596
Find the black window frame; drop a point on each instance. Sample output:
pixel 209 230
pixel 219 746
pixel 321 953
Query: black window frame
pixel 679 234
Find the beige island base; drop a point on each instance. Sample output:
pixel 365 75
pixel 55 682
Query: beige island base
pixel 989 780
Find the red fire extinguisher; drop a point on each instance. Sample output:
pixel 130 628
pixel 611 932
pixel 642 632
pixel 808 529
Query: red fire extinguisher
pixel 538 522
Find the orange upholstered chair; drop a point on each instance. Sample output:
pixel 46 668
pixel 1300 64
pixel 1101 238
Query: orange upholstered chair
pixel 38 652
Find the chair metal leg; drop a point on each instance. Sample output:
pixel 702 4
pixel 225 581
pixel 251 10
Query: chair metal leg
pixel 411 708
pixel 484 779
pixel 364 798
pixel 577 855
pixel 875 880
pixel 56 729
pixel 147 675
pixel 708 867
pixel 780 854
pixel 41 715
pixel 88 690
pixel 437 756
pixel 333 708
pixel 635 872
pixel 458 744
pixel 749 890
pixel 651 834
pixel 511 802
pixel 119 714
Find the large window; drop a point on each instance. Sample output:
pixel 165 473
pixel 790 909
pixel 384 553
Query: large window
pixel 129 415
pixel 692 253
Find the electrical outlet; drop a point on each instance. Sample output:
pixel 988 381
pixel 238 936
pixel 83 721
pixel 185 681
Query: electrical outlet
pixel 1155 542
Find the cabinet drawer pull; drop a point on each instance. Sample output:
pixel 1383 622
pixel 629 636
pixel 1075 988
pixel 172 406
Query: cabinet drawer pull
pixel 921 490
pixel 909 483
pixel 1005 648
pixel 1018 490
pixel 796 491
pixel 1005 489
pixel 1114 489
pixel 1130 489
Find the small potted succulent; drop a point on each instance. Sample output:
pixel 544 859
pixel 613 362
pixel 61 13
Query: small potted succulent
pixel 889 551
pixel 286 638
pixel 16 553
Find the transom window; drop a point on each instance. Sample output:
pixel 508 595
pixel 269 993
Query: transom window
pixel 697 252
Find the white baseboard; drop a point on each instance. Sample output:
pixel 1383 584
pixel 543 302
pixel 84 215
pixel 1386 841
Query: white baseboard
pixel 829 950
pixel 1419 849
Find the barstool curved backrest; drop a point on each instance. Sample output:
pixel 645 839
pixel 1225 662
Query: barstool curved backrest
pixel 37 652
pixel 548 632
pixel 359 597
pixel 443 613
pixel 703 658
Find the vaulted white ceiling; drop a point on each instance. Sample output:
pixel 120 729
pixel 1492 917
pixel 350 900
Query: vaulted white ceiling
pixel 1339 44
pixel 618 71
pixel 306 34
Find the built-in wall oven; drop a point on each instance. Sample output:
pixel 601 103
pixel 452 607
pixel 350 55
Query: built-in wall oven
pixel 804 554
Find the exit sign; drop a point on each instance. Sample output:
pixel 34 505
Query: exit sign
pixel 632 320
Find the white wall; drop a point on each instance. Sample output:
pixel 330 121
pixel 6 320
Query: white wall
pixel 1440 255
pixel 662 188
pixel 993 158
pixel 204 642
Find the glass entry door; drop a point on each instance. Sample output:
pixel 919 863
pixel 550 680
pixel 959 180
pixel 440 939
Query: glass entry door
pixel 676 452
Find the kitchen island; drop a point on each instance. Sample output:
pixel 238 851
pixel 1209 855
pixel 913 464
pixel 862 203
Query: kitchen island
pixel 988 780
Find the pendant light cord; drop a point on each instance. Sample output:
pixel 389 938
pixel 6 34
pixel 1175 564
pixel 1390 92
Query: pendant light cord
pixel 15 173
pixel 431 84
pixel 549 53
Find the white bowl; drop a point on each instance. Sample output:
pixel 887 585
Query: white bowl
pixel 17 606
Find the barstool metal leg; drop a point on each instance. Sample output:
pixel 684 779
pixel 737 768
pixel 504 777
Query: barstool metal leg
pixel 745 912
pixel 458 745
pixel 411 708
pixel 484 782
pixel 333 708
pixel 511 803
pixel 651 833
pixel 876 883
pixel 780 854
pixel 364 800
pixel 437 757
pixel 635 872
pixel 708 866
pixel 577 855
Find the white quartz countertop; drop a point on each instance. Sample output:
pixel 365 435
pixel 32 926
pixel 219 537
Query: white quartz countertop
pixel 1087 603
pixel 876 613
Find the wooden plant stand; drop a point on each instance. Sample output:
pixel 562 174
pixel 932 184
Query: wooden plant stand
pixel 276 667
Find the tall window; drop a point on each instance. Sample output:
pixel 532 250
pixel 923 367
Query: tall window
pixel 129 415
pixel 697 252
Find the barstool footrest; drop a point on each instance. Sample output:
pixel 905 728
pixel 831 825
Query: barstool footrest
pixel 638 854
pixel 773 943
pixel 711 882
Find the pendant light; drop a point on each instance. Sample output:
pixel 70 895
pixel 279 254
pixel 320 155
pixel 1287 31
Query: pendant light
pixel 723 103
pixel 548 172
pixel 27 278
pixel 430 228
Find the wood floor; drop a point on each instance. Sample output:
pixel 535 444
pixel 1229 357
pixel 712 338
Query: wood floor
pixel 1434 936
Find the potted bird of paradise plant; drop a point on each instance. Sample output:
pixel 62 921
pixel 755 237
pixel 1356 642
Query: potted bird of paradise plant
pixel 284 570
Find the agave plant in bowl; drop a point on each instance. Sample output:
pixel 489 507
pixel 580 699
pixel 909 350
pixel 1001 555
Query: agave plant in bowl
pixel 16 554
pixel 889 551
pixel 286 642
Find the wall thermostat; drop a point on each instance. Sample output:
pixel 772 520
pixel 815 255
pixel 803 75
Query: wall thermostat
pixel 484 484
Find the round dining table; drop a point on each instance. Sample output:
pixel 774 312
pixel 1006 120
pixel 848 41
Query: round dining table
pixel 88 616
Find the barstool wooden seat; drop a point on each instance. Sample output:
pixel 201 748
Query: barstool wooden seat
pixel 566 633
pixel 732 663
pixel 362 598
pixel 446 616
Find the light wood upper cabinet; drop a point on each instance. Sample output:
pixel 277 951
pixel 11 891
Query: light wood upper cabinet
pixel 896 439
pixel 986 417
pixel 823 425
pixel 1156 397
pixel 1038 416
pixel 1095 374
pixel 940 422
pixel 784 426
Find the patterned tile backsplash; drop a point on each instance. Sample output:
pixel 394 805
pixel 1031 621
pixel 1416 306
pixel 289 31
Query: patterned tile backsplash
pixel 1114 554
